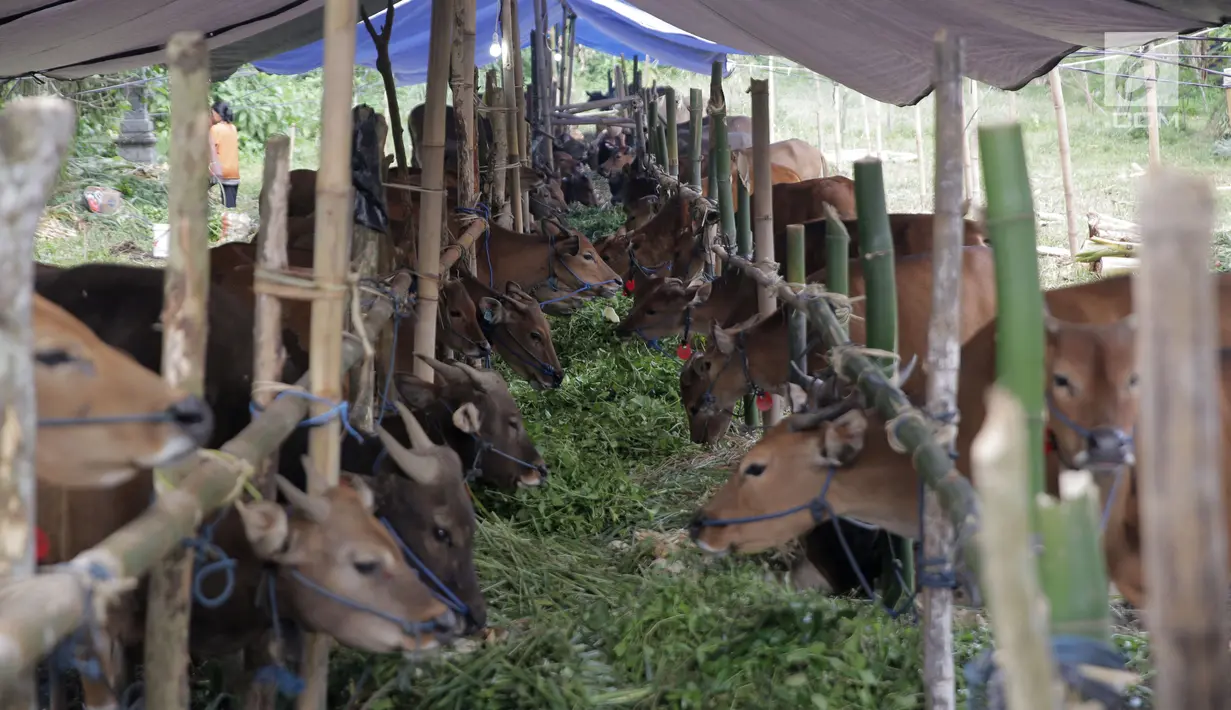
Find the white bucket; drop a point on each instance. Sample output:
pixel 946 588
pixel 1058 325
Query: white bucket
pixel 162 239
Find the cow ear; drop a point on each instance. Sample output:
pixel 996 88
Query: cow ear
pixel 512 289
pixel 700 292
pixel 844 438
pixel 268 531
pixel 467 418
pixel 723 340
pixel 491 310
pixel 357 483
pixel 416 393
pixel 743 166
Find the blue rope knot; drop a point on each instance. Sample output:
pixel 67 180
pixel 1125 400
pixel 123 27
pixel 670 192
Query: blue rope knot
pixel 287 683
pixel 341 410
pixel 1069 652
pixel 222 563
pixel 64 657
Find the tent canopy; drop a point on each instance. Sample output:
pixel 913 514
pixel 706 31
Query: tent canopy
pixel 884 48
pixel 610 26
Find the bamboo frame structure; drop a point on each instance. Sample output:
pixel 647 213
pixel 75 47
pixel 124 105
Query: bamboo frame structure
pixel 35 134
pixel 185 322
pixel 432 202
pixel 1066 161
pixel 797 325
pixel 514 108
pixel 330 258
pixel 944 356
pixel 762 205
pixel 461 70
pixel 1180 465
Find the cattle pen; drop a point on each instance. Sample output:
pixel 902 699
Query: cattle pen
pixel 449 482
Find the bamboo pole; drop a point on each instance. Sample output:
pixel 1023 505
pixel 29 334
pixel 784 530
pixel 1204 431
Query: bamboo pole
pixel 513 116
pixel 672 136
pixel 1073 557
pixel 270 354
pixel 867 122
pixel 770 81
pixel 502 214
pixel 1179 455
pixel 651 123
pixel 542 84
pixel 743 238
pixel 185 325
pixel 763 208
pixel 720 163
pixel 384 66
pixel 1013 106
pixel 797 325
pixel 1066 162
pixel 37 613
pixel 695 98
pixel 1156 153
pixel 837 127
pixel 431 206
pixel 461 70
pixel 880 137
pixel 911 427
pixel 975 160
pixel 34 139
pixel 922 166
pixel 944 356
pixel 570 49
pixel 330 258
pixel 1019 303
pixel 369 255
pixel 523 126
pixel 1017 608
pixel 837 257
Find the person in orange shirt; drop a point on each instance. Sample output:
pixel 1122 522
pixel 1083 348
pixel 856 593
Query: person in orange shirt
pixel 224 152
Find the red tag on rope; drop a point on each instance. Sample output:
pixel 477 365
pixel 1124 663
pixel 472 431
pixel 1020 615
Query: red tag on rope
pixel 42 546
pixel 1049 441
pixel 764 401
pixel 684 351
pixel 629 285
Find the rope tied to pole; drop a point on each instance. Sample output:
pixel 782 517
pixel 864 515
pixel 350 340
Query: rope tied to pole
pixel 341 410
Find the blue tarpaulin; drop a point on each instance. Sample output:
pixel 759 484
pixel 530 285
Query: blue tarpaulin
pixel 610 26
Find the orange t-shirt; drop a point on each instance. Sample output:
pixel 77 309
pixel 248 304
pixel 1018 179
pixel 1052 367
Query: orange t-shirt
pixel 226 149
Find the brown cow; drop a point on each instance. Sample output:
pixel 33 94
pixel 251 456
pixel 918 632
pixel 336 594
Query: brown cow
pixel 799 156
pixel 672 307
pixel 103 418
pixel 712 381
pixel 666 245
pixel 800 202
pixel 519 332
pixel 532 260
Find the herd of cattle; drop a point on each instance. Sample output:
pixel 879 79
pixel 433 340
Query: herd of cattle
pixel 106 417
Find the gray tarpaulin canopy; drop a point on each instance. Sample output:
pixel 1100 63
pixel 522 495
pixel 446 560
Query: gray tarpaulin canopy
pixel 881 48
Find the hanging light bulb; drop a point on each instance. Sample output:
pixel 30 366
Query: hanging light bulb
pixel 494 50
pixel 557 56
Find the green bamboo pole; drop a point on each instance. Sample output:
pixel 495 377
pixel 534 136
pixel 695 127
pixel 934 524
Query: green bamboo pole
pixel 651 124
pixel 1072 567
pixel 672 134
pixel 720 165
pixel 837 255
pixel 660 144
pixel 1019 316
pixel 743 236
pixel 876 246
pixel 694 138
pixel 797 326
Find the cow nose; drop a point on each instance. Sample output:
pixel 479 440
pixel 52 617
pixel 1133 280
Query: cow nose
pixel 476 621
pixel 557 378
pixel 695 525
pixel 192 415
pixel 1106 445
pixel 446 622
pixel 541 466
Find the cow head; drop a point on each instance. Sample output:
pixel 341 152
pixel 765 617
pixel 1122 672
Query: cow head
pixel 521 335
pixel 778 476
pixel 331 546
pixel 458 324
pixel 712 381
pixel 506 456
pixel 1092 392
pixel 581 275
pixel 575 186
pixel 80 381
pixel 422 493
pixel 665 309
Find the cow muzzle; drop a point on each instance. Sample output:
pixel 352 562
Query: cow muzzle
pixel 1107 449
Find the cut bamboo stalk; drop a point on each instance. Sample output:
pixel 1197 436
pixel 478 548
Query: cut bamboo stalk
pixel 1000 456
pixel 511 53
pixel 944 355
pixel 797 326
pixel 185 327
pixel 762 206
pixel 770 81
pixel 695 98
pixel 1112 228
pixel 593 121
pixel 1179 449
pixel 1073 556
pixel 867 123
pixel 34 138
pixel 1110 266
pixel 1156 152
pixel 592 105
pixel 37 613
pixel 837 256
pixel 1066 162
pixel 461 71
pixel 1019 305
pixel 720 163
pixel 270 354
pixel 880 120
pixel 570 50
pixel 330 258
pixel 431 206
pixel 672 134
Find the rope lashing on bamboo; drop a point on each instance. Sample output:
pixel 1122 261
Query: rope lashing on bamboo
pixel 99 590
pixel 341 410
pixel 416 188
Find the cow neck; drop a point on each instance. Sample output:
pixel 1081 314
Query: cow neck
pixel 765 358
pixel 528 260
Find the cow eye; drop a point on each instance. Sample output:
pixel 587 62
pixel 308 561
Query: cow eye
pixel 589 256
pixel 651 312
pixel 455 314
pixel 442 535
pixel 1132 380
pixel 367 567
pixel 51 358
pixel 534 335
pixel 1060 381
pixel 754 469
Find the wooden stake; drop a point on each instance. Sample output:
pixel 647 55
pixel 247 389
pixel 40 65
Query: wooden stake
pixel 34 138
pixel 1066 162
pixel 330 258
pixel 1179 449
pixel 1156 153
pixel 1018 609
pixel 185 327
pixel 502 214
pixel 770 81
pixel 975 166
pixel 763 208
pixel 944 355
pixel 513 104
pixel 461 70
pixel 432 204
pixel 923 172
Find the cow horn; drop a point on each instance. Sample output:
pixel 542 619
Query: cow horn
pixel 418 437
pixel 1050 322
pixel 811 420
pixel 905 373
pixel 417 467
pixel 447 370
pixel 475 376
pixel 315 507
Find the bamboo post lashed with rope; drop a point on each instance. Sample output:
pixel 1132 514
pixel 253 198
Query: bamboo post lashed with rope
pixel 330 259
pixel 431 206
pixel 762 208
pixel 37 613
pixel 34 138
pixel 501 211
pixel 1066 161
pixel 912 429
pixel 185 331
pixel 511 55
pixel 944 356
pixel 1179 449
pixel 695 99
pixel 461 73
